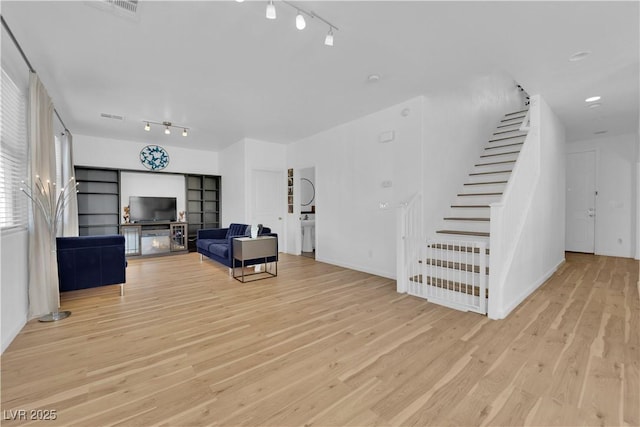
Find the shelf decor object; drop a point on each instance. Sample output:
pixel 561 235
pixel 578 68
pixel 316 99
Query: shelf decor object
pixel 154 157
pixel 51 204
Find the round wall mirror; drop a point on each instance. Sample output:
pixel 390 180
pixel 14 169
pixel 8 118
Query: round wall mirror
pixel 307 192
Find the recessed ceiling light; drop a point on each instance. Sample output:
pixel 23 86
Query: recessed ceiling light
pixel 596 105
pixel 592 99
pixel 373 78
pixel 579 56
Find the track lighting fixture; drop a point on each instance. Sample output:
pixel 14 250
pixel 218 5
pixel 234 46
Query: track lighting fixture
pixel 300 22
pixel 328 40
pixel 167 127
pixel 271 10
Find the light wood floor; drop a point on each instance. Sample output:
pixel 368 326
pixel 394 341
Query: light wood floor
pixel 324 346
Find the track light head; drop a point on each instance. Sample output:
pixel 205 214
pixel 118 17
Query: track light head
pixel 300 22
pixel 328 40
pixel 184 132
pixel 147 127
pixel 167 131
pixel 271 10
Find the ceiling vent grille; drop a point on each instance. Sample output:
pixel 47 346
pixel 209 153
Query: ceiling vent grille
pixel 123 8
pixel 111 116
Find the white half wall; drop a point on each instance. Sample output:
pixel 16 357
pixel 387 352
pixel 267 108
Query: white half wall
pixel 540 235
pixel 14 302
pixel 616 182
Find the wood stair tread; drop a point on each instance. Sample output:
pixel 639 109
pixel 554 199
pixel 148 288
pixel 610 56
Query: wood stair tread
pixel 470 206
pixel 495 163
pixel 488 173
pixel 449 285
pixel 507 137
pixel 487 183
pixel 517 112
pixel 454 265
pixel 500 154
pixel 506 145
pixel 464 233
pixel 512 118
pixel 507 125
pixel 458 218
pixel 456 248
pixel 478 194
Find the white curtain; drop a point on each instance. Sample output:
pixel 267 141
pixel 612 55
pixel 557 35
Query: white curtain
pixel 70 216
pixel 43 274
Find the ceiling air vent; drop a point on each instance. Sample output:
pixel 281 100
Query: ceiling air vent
pixel 123 8
pixel 111 116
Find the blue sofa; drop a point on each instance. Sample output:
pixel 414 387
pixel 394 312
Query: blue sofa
pixel 91 261
pixel 217 244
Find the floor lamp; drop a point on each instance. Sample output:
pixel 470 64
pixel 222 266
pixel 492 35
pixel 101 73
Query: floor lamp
pixel 51 204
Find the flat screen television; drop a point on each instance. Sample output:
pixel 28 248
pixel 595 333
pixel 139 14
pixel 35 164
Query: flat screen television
pixel 152 209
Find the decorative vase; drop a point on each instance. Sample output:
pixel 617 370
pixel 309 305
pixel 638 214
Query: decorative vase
pixel 254 231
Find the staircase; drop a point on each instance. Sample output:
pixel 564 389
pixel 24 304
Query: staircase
pixel 454 267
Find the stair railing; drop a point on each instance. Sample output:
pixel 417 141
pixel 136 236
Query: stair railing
pixel 410 243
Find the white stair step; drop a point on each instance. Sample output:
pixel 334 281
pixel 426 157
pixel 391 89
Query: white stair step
pixel 502 176
pixel 453 235
pixel 477 199
pixel 490 187
pixel 492 167
pixel 494 150
pixel 507 138
pixel 501 155
pixel 508 126
pixel 469 210
pixel 465 225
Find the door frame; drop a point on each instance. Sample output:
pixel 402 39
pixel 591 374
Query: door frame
pixel 282 236
pixel 596 167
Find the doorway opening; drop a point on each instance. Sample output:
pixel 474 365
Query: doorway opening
pixel 308 211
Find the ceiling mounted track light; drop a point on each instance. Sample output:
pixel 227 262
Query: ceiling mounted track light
pixel 271 10
pixel 167 127
pixel 328 40
pixel 301 22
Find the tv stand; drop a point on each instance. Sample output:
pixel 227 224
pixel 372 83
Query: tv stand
pixel 154 238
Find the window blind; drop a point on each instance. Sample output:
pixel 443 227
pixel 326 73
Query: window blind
pixel 13 155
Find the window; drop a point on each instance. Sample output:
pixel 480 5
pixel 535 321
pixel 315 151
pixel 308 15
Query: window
pixel 13 155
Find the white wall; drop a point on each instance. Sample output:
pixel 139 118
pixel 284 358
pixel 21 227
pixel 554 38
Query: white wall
pixel 539 235
pixel 14 289
pixel 352 229
pixel 616 183
pixel 153 185
pixel 233 171
pixel 457 125
pixel 119 154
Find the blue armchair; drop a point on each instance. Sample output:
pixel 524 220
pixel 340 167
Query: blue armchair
pixel 91 261
pixel 217 244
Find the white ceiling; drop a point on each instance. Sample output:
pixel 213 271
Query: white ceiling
pixel 223 70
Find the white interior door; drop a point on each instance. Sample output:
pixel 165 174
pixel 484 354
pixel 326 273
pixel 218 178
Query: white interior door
pixel 269 201
pixel 581 202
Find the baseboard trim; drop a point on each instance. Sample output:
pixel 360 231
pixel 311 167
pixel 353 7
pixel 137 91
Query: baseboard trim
pixel 380 273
